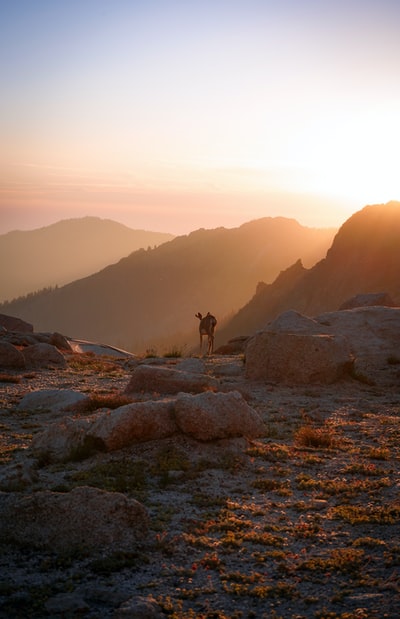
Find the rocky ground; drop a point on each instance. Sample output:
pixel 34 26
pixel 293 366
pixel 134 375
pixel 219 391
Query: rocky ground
pixel 301 523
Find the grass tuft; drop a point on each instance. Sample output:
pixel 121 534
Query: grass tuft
pixel 97 400
pixel 319 438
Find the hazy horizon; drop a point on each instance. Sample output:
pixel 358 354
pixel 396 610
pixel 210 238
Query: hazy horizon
pixel 175 116
pixel 50 221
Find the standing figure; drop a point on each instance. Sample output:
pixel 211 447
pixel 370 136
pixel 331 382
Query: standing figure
pixel 207 327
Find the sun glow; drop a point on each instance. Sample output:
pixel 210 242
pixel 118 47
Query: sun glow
pixel 355 156
pixel 159 113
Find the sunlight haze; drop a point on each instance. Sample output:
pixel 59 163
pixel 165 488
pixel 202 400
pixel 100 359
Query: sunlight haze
pixel 176 115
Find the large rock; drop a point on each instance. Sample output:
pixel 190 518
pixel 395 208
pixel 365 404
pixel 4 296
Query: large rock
pixel 370 331
pixel 74 439
pixel 209 416
pixel 137 422
pixel 64 441
pixel 11 323
pixel 60 341
pixel 83 346
pixel 69 604
pixel 20 339
pixel 297 349
pixel 83 519
pixel 297 358
pixel 10 356
pixel 373 334
pixel 15 476
pixel 166 380
pixel 54 400
pixel 234 346
pixel 139 608
pixel 205 417
pixel 191 364
pixel 43 355
pixel 294 322
pixel 368 300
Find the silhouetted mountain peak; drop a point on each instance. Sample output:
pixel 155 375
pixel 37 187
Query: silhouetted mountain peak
pixel 151 296
pixel 364 258
pixel 374 226
pixel 65 251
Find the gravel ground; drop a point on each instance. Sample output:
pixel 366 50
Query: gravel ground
pixel 303 523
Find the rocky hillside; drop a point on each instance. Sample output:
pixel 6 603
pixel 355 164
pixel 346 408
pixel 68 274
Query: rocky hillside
pixel 149 298
pixel 65 251
pixel 364 258
pixel 189 487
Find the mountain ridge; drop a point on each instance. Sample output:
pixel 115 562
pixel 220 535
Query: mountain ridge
pixel 152 295
pixel 364 258
pixel 65 251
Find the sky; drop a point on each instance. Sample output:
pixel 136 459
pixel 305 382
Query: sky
pixel 174 115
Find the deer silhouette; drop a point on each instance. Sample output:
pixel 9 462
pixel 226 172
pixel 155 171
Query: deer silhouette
pixel 207 327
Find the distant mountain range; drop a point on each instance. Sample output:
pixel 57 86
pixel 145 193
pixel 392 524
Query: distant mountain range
pixel 149 298
pixel 65 251
pixel 364 258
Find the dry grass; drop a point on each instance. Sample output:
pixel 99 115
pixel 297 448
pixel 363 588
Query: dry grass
pixel 96 401
pixel 238 532
pixel 90 363
pixel 319 438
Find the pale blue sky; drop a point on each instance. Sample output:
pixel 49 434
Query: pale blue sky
pixel 175 115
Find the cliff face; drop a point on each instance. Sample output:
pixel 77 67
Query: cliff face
pixel 364 258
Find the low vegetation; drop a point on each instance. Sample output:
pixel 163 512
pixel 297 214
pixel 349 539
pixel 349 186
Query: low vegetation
pixel 239 529
pixel 101 400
